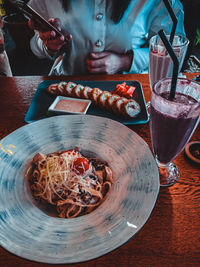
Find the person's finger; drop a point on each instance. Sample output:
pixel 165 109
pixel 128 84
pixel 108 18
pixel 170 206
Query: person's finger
pixel 47 35
pixel 56 22
pixel 54 44
pixel 96 63
pixel 99 55
pixel 57 41
pixel 31 24
pixel 97 70
pixel 69 37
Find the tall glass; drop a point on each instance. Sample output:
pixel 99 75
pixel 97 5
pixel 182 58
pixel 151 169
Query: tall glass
pixel 172 123
pixel 160 63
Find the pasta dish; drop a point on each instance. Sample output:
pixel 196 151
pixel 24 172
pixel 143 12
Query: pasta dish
pixel 73 184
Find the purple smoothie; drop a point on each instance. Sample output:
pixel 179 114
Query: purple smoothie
pixel 170 133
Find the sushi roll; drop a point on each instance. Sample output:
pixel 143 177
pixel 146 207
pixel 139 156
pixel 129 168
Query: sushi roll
pixel 93 95
pixel 85 92
pixel 130 109
pixel 117 105
pixel 77 90
pixel 68 88
pixel 53 89
pixel 110 100
pixel 102 98
pixel 61 87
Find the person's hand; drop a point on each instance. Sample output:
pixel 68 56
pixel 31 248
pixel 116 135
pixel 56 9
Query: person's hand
pixel 108 62
pixel 52 43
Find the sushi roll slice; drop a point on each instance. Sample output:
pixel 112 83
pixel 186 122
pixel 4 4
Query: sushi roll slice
pixel 102 98
pixel 53 89
pixel 68 88
pixel 77 90
pixel 85 92
pixel 61 87
pixel 93 95
pixel 130 109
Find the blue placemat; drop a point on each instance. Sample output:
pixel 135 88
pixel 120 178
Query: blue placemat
pixel 42 100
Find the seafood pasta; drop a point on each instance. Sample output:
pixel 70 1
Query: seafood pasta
pixel 73 184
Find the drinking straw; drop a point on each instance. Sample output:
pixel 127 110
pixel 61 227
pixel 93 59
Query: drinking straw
pixel 174 19
pixel 174 58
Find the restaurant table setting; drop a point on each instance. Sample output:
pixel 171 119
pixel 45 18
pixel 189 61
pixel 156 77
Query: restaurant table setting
pixel 102 170
pixel 165 219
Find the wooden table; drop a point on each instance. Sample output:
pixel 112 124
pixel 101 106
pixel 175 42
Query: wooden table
pixel 171 236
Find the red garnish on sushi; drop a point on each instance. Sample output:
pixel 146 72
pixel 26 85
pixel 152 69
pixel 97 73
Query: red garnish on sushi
pixel 124 90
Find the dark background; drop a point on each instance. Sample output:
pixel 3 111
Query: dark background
pixel 23 62
pixel 17 37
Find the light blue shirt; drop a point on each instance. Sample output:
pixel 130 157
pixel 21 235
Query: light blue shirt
pixel 93 31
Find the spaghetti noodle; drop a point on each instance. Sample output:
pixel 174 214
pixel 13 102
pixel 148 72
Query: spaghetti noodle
pixel 72 183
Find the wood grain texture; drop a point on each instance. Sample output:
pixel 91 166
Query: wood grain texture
pixel 171 236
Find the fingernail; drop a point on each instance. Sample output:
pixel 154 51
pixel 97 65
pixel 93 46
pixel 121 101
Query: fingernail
pixel 62 38
pixel 53 34
pixel 69 37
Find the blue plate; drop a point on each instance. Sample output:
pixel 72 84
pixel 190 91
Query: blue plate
pixel 42 101
pixel 29 232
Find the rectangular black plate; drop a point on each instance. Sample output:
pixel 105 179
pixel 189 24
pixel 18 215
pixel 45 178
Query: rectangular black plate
pixel 42 100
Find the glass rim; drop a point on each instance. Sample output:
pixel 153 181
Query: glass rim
pixel 158 83
pixel 186 40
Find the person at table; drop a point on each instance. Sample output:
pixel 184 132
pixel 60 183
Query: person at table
pixel 102 36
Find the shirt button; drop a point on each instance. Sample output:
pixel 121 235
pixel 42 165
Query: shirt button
pixel 99 43
pixel 99 16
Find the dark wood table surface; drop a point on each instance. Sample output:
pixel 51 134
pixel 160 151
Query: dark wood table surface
pixel 171 236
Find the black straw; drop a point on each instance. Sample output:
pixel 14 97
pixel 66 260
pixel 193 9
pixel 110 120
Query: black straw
pixel 174 19
pixel 175 61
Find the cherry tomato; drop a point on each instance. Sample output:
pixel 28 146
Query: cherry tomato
pixel 80 165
